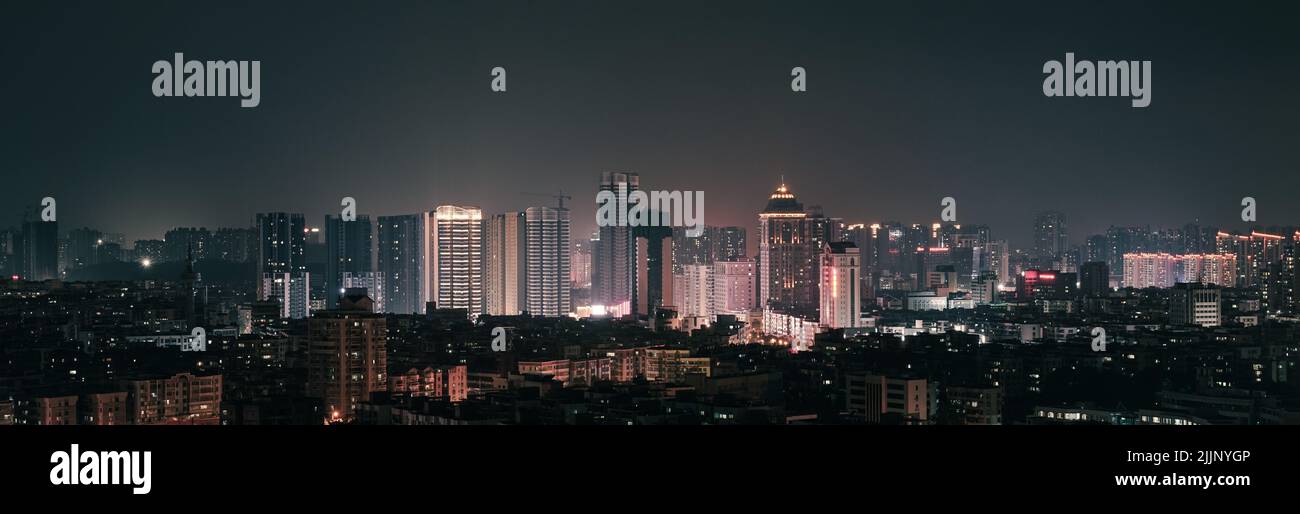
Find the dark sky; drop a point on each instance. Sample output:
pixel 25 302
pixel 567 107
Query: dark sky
pixel 908 102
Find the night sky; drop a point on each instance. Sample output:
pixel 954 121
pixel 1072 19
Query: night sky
pixel 908 102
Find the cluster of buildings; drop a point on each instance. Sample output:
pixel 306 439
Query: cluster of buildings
pixel 398 320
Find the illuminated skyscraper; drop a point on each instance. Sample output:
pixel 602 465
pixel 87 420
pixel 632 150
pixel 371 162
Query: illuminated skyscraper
pixel 613 263
pixel 548 292
pixel 581 265
pixel 729 244
pixel 455 258
pixel 506 262
pixel 787 256
pixel 692 290
pixel 734 284
pixel 841 287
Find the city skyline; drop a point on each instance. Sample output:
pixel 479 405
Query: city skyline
pixel 422 128
pixel 293 242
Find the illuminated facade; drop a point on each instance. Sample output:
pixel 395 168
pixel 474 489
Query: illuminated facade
pixel 506 264
pixel 446 382
pixel 455 258
pixel 734 285
pixel 548 291
pixel 1162 270
pixel 692 288
pixel 841 287
pixel 613 254
pixel 787 256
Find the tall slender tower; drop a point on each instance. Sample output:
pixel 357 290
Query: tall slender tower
pixel 613 266
pixel 787 256
pixel 1050 241
pixel 402 245
pixel 841 285
pixel 455 258
pixel 506 264
pixel 348 250
pixel 548 257
pixel 282 262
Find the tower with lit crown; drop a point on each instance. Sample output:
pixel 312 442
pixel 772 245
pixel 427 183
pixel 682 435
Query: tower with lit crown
pixel 788 255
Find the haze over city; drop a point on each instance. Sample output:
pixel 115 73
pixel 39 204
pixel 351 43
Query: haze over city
pixel 906 104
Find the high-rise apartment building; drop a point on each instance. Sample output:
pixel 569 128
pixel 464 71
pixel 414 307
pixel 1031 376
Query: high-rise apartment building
pixel 548 233
pixel 841 287
pixel 348 246
pixel 38 254
pixel 1050 242
pixel 1162 270
pixel 347 355
pixel 787 256
pixel 734 284
pixel 506 264
pixel 455 258
pixel 693 287
pixel 403 241
pixel 282 246
pixel 613 258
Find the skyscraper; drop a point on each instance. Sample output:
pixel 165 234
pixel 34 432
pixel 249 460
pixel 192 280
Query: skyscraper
pixel 455 258
pixel 581 265
pixel 39 252
pixel 281 246
pixel 613 261
pixel 841 286
pixel 282 263
pixel 787 256
pixel 506 264
pixel 1050 242
pixel 729 244
pixel 348 250
pixel 402 245
pixel 548 291
pixel 691 250
pixel 653 288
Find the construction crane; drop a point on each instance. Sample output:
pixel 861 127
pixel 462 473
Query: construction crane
pixel 559 197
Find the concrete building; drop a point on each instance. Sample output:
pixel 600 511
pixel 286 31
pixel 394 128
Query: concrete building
pixel 1195 304
pixel 890 399
pixel 347 356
